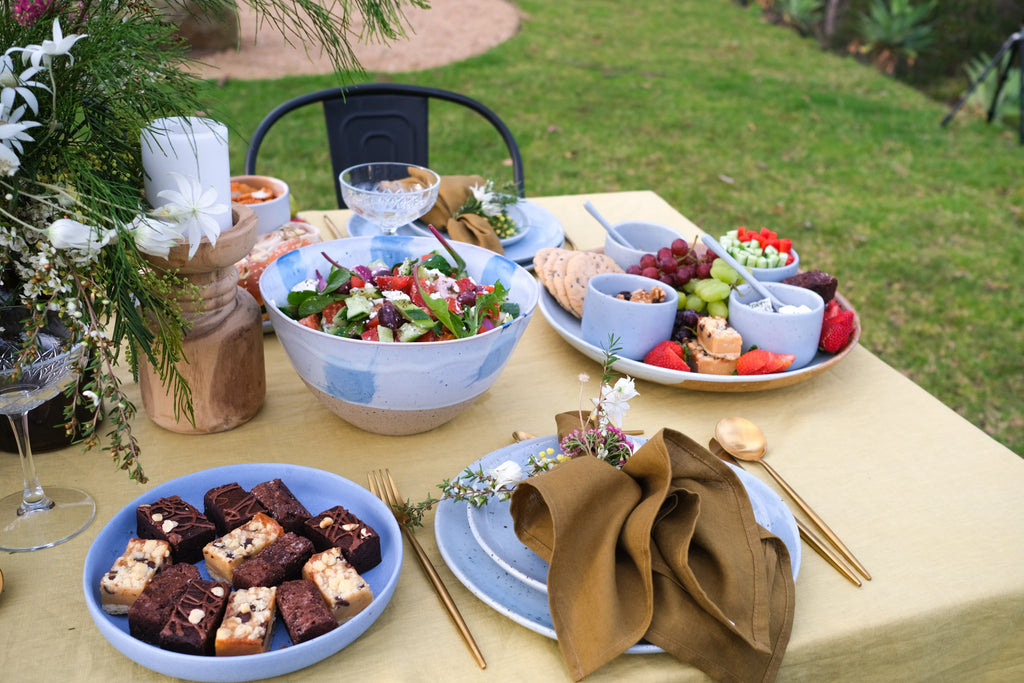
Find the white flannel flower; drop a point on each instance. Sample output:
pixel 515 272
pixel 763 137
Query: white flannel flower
pixel 60 46
pixel 66 233
pixel 153 236
pixel 488 200
pixel 12 83
pixel 193 209
pixel 615 399
pixel 12 128
pixel 506 475
pixel 9 162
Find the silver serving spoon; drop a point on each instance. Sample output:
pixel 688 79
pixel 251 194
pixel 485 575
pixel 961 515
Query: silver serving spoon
pixel 715 246
pixel 607 226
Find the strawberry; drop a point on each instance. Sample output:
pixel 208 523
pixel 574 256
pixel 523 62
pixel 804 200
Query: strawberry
pixel 667 354
pixel 832 310
pixel 763 362
pixel 836 328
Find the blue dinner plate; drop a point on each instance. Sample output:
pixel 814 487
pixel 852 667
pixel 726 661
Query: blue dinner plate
pixel 317 490
pixel 482 550
pixel 544 231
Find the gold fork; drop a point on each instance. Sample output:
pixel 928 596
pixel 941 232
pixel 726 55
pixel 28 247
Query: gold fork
pixel 383 486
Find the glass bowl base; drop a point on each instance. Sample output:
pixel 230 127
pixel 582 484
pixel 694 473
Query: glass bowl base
pixel 71 513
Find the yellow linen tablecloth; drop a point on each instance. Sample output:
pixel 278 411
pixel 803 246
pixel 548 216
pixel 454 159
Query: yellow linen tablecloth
pixel 929 503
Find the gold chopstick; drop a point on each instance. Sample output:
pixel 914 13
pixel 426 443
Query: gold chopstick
pixel 388 492
pixel 332 227
pixel 830 555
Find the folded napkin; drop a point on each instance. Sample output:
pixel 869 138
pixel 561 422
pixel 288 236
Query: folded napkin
pixel 453 193
pixel 665 549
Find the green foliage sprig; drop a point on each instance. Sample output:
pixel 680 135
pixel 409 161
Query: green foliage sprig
pixel 80 81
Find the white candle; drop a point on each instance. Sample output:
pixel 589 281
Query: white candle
pixel 196 148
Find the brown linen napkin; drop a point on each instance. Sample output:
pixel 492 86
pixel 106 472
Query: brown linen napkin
pixel 665 549
pixel 453 193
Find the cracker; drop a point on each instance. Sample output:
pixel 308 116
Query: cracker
pixel 578 273
pixel 540 259
pixel 556 276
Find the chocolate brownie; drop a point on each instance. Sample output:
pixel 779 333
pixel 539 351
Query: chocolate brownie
pixel 173 520
pixel 153 607
pixel 816 281
pixel 280 561
pixel 281 504
pixel 192 626
pixel 303 610
pixel 230 506
pixel 339 528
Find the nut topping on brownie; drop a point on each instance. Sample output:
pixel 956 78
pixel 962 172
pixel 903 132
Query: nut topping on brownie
pixel 173 520
pixel 339 528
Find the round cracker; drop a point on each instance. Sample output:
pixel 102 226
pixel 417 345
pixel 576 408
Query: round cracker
pixel 556 269
pixel 578 274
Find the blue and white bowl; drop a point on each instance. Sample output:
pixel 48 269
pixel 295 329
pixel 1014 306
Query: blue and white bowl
pixel 396 388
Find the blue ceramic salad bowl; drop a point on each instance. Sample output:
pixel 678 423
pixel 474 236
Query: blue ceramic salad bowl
pixel 396 388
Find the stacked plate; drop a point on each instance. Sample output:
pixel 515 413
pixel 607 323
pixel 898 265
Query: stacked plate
pixel 482 550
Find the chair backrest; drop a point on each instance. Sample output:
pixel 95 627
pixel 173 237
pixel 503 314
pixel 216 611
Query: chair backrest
pixel 380 122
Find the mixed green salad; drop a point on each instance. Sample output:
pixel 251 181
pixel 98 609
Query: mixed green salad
pixel 416 300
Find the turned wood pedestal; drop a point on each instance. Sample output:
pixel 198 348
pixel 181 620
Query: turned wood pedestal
pixel 223 350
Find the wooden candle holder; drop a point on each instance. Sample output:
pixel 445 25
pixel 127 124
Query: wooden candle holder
pixel 223 349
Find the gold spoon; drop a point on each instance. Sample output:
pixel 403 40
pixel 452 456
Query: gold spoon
pixel 810 538
pixel 742 439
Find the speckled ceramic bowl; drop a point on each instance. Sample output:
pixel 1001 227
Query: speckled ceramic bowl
pixel 796 333
pixel 273 213
pixel 647 237
pixel 779 273
pixel 638 327
pixel 396 388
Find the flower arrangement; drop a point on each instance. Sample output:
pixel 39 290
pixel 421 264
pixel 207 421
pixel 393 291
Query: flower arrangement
pixel 599 435
pixel 493 205
pixel 79 82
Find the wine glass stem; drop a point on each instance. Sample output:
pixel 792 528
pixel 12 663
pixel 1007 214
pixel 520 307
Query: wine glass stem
pixel 33 498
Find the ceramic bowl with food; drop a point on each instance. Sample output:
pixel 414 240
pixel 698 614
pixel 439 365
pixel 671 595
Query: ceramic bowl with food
pixel 396 388
pixel 795 333
pixel 647 237
pixel 779 273
pixel 269 198
pixel 637 324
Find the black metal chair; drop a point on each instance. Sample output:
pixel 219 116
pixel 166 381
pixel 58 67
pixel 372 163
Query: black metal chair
pixel 380 122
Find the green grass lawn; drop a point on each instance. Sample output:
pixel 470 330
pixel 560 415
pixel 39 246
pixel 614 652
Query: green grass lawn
pixel 736 122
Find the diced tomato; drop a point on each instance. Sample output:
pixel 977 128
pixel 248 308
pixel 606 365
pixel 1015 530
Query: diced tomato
pixel 454 306
pixel 395 283
pixel 311 321
pixel 357 281
pixel 370 334
pixel 331 310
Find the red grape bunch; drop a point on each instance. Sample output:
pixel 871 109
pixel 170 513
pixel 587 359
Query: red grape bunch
pixel 676 265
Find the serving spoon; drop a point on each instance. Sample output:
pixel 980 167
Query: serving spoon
pixel 592 210
pixel 742 439
pixel 806 533
pixel 716 246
